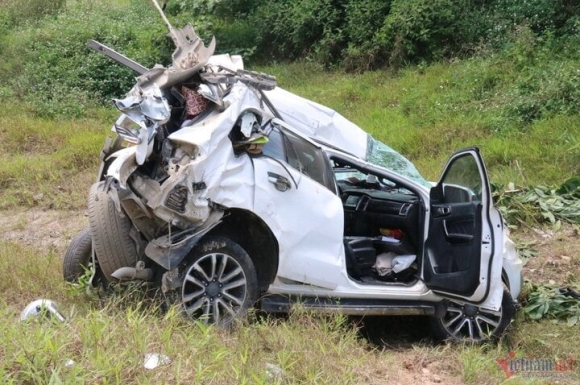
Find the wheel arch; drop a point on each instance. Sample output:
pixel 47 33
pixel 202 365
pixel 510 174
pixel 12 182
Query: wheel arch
pixel 255 237
pixel 505 278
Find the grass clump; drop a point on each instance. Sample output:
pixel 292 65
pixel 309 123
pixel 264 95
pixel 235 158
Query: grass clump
pixel 48 163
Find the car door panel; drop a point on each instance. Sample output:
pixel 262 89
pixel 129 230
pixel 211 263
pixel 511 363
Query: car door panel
pixel 307 220
pixel 460 258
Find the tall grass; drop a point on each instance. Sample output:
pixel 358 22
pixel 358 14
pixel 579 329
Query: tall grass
pixel 49 163
pixel 106 338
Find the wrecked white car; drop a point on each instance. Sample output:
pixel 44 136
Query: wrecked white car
pixel 227 192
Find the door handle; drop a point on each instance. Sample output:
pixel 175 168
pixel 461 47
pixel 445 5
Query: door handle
pixel 281 183
pixel 443 211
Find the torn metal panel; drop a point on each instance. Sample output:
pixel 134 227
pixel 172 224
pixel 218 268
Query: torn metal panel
pixel 169 250
pixel 189 49
pixel 121 59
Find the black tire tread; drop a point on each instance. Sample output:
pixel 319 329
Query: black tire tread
pixel 110 233
pixel 77 256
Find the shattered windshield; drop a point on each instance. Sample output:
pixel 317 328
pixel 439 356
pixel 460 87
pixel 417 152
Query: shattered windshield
pixel 380 154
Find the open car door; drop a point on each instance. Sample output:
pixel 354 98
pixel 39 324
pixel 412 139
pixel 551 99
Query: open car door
pixel 463 250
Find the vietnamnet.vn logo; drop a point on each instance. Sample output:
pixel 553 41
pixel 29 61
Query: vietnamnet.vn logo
pixel 538 367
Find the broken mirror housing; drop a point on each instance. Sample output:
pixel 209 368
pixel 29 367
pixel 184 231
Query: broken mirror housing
pixel 42 309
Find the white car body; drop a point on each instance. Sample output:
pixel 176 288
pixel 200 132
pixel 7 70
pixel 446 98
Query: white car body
pixel 311 251
pixel 310 237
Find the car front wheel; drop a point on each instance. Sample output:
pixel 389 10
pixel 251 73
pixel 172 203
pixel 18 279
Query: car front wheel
pixel 466 322
pixel 219 282
pixel 110 232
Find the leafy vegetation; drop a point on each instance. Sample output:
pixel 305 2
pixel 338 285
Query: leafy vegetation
pixel 553 302
pixel 371 33
pixel 540 204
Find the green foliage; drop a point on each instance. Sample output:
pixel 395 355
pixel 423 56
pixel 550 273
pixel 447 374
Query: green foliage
pixel 15 12
pixel 541 204
pixel 304 28
pixel 549 301
pixel 363 51
pixel 47 64
pixel 425 29
pixel 361 35
pixel 50 67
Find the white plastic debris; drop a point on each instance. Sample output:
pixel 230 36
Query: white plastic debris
pixel 384 263
pixel 403 262
pixel 42 308
pixel 153 360
pixel 69 363
pixel 274 371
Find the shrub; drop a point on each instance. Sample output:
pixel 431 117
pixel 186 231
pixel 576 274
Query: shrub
pixel 59 75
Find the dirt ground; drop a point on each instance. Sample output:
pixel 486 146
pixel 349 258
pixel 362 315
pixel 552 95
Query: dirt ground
pixel 556 254
pixel 41 229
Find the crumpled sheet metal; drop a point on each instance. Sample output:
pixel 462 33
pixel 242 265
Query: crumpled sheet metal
pixel 319 122
pixel 227 176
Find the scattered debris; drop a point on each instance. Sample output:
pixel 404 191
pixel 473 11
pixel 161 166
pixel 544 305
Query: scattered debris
pixel 153 360
pixel 541 204
pixel 274 371
pixel 69 363
pixel 549 301
pixel 42 309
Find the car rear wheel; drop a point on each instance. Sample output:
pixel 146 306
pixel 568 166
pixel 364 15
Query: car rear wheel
pixel 466 322
pixel 110 232
pixel 77 256
pixel 219 283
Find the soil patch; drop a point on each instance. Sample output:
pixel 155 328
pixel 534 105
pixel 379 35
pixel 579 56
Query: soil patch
pixel 40 229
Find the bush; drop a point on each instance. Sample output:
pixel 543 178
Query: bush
pixel 16 12
pixel 59 75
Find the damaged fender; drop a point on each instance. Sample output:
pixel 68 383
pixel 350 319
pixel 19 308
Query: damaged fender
pixel 169 250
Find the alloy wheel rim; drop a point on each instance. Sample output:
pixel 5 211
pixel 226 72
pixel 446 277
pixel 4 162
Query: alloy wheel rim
pixel 470 322
pixel 214 289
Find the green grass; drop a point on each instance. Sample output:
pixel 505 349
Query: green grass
pixel 47 163
pixel 424 112
pixel 107 337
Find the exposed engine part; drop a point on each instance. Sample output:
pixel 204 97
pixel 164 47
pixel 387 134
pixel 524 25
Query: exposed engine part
pixel 177 198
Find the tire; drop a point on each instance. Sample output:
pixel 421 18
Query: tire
pixel 77 256
pixel 464 322
pixel 219 282
pixel 110 233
